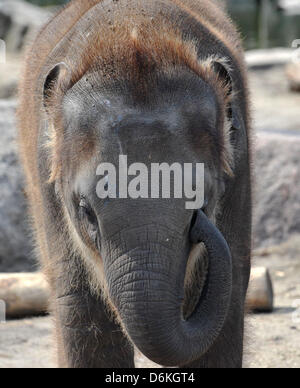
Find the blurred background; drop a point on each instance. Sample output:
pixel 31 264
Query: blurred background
pixel 270 31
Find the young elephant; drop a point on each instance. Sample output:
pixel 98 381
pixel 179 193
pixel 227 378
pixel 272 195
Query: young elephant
pixel 160 82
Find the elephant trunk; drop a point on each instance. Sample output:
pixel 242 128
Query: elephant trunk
pixel 148 296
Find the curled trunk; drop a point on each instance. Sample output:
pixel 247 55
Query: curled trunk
pixel 149 293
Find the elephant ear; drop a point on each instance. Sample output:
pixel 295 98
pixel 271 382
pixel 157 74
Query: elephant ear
pixel 52 81
pixel 233 110
pixel 55 82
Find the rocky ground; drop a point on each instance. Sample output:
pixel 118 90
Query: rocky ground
pixel 273 340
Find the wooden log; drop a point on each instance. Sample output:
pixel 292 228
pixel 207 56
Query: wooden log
pixel 260 294
pixel 293 75
pixel 27 294
pixel 24 294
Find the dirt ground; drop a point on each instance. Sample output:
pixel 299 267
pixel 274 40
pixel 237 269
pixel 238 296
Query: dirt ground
pixel 273 340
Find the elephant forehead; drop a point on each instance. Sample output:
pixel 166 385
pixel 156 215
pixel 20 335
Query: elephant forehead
pixel 91 103
pixel 117 128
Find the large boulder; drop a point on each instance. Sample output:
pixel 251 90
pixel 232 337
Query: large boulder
pixel 15 243
pixel 19 21
pixel 277 192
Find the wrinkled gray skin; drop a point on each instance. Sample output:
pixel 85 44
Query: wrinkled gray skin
pixel 145 243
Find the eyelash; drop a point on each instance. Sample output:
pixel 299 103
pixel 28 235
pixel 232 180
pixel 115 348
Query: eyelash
pixel 88 212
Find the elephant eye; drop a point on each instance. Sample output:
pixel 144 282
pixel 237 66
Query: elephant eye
pixel 87 213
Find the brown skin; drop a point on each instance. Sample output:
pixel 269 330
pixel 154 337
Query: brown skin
pixel 137 56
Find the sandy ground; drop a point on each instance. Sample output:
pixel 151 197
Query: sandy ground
pixel 273 340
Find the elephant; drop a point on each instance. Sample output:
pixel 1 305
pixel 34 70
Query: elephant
pixel 164 83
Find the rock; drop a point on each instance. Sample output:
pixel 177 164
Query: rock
pixel 293 75
pixel 15 243
pixel 24 294
pixel 277 181
pixel 9 76
pixel 260 296
pixel 275 108
pixel 19 21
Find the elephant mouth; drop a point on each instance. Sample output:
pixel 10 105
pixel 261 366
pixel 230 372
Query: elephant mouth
pixel 195 279
pixel 196 273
